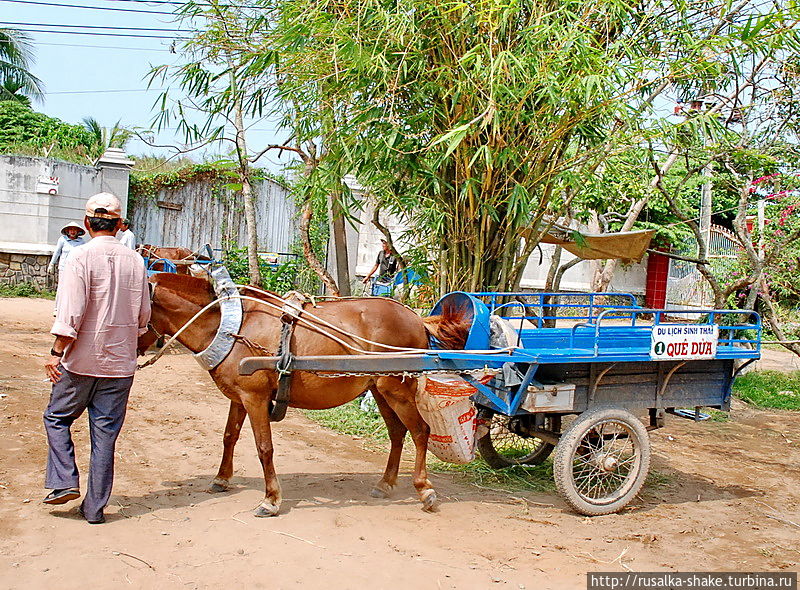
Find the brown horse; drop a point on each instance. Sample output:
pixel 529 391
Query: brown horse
pixel 177 298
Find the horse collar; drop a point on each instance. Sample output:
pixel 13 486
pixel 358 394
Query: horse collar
pixel 230 320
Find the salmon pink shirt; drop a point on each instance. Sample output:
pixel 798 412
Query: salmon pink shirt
pixel 104 304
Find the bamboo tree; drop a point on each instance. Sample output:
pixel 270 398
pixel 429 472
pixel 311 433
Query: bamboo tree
pixel 474 118
pixel 471 120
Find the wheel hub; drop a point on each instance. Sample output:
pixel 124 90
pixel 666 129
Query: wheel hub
pixel 607 463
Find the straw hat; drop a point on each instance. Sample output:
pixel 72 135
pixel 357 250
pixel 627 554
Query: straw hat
pixel 80 229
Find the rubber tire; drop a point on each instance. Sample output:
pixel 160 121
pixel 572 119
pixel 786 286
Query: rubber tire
pixel 496 460
pixel 566 447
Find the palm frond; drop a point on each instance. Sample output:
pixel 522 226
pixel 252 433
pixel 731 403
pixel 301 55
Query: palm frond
pixel 16 59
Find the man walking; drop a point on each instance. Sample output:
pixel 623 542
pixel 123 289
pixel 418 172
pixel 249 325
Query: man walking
pixel 105 307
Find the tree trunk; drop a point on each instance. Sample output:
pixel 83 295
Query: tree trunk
pixel 339 234
pixel 247 186
pixel 311 256
pixel 387 235
pixel 774 322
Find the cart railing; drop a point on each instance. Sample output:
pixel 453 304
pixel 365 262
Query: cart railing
pixel 738 335
pixel 547 305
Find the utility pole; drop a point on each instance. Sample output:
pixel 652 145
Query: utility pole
pixel 761 224
pixel 705 206
pixel 705 194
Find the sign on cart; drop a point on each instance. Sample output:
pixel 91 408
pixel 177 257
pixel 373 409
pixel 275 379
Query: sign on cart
pixel 676 341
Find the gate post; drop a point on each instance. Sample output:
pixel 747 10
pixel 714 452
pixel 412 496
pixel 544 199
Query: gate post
pixel 656 288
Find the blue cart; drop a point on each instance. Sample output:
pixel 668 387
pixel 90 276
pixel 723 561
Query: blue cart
pixel 583 377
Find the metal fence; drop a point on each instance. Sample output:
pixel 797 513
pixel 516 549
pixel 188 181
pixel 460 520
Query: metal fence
pixel 204 213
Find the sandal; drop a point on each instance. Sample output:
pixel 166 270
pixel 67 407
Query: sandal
pixel 62 496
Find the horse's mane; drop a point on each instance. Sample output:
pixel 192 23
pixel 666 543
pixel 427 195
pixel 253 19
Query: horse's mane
pixel 193 289
pixel 451 328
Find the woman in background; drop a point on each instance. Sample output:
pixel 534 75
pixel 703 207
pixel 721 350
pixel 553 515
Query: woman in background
pixel 71 237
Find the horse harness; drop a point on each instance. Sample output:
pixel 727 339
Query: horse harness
pixel 231 315
pixel 228 333
pixel 229 324
pixel 292 309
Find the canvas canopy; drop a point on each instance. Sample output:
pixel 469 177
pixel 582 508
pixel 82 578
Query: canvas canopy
pixel 627 246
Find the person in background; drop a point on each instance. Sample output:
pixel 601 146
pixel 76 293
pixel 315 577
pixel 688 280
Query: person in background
pixel 125 235
pixel 71 237
pixel 105 309
pixel 385 264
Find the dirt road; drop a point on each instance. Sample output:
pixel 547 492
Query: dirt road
pixel 726 496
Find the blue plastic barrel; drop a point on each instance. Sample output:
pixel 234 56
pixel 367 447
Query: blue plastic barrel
pixel 468 307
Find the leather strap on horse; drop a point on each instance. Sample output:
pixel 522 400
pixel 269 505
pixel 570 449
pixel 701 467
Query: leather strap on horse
pixel 283 367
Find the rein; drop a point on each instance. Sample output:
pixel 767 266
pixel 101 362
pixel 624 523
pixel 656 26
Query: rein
pixel 310 325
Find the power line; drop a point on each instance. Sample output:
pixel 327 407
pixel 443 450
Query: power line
pixel 103 91
pixel 162 2
pixel 104 47
pixel 113 28
pixel 94 33
pixel 59 5
pixel 173 3
pixel 153 2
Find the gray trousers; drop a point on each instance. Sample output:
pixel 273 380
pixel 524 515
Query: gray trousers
pixel 106 399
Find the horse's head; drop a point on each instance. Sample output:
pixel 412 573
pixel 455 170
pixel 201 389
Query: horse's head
pixel 174 299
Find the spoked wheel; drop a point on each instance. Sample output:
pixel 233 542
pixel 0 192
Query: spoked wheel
pixel 506 445
pixel 601 461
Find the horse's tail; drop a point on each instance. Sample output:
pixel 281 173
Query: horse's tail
pixel 449 329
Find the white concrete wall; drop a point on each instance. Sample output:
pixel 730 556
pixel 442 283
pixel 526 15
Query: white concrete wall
pixel 630 278
pixel 34 218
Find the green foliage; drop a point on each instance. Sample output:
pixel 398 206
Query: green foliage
pixel 474 120
pixel 451 115
pixel 20 126
pixel 769 389
pixel 145 186
pixel 350 419
pixel 14 91
pixel 279 278
pixel 25 290
pixel 106 137
pixel 154 164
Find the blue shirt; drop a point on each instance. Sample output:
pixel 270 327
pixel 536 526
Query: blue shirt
pixel 63 248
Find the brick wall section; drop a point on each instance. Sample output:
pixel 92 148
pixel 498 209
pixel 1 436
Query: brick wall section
pixel 16 269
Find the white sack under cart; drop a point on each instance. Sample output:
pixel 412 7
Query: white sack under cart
pixel 445 404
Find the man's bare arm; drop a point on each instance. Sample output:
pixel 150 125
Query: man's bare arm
pixel 53 360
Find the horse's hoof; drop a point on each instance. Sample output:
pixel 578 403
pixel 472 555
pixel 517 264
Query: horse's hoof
pixel 266 509
pixel 381 490
pixel 218 485
pixel 430 502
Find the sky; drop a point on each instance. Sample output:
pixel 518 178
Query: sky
pixel 102 72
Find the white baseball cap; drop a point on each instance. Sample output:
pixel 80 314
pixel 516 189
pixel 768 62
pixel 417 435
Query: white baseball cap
pixel 104 205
